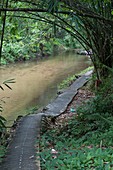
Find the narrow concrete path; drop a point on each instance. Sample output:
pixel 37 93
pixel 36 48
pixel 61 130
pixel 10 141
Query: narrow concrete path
pixel 59 105
pixel 21 153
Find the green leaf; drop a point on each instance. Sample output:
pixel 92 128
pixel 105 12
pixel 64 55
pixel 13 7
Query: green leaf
pixel 2 124
pixel 9 81
pixel 112 12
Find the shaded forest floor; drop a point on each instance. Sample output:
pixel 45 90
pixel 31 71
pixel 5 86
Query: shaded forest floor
pixel 81 138
pixel 82 96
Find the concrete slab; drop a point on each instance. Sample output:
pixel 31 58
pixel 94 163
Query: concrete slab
pixel 59 105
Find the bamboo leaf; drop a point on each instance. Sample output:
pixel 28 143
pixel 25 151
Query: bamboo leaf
pixel 9 81
pixel 2 124
pixel 2 118
pixel 8 86
pixel 1 87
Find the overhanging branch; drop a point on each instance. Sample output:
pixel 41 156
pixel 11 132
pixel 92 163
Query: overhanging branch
pixel 78 13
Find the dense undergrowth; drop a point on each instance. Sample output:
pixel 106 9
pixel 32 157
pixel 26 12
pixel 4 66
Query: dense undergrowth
pixel 28 39
pixel 4 134
pixel 84 142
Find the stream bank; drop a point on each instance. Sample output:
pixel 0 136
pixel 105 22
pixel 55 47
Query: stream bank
pixel 21 152
pixel 36 82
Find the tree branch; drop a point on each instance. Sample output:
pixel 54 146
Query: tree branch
pixel 78 13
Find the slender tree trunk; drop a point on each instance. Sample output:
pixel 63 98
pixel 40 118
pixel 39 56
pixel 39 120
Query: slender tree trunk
pixel 3 29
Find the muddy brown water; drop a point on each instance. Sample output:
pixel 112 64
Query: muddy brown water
pixel 36 82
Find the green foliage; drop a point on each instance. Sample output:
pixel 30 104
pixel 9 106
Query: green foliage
pixel 17 51
pixel 98 112
pixel 75 150
pixel 69 80
pixel 86 20
pixel 2 119
pixel 16 47
pixel 23 34
pixel 94 158
pixel 112 12
pixel 83 20
pixel 3 130
pixel 86 70
pixel 85 140
pixel 32 110
pixel 2 152
pixel 2 133
pixel 6 82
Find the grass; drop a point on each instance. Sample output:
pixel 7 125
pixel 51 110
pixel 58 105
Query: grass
pixel 86 70
pixel 67 82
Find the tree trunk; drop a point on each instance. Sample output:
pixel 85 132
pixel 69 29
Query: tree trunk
pixel 3 29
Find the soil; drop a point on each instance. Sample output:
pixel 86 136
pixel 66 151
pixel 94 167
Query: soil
pixel 82 96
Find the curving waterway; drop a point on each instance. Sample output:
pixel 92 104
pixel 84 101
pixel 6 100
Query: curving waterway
pixel 36 82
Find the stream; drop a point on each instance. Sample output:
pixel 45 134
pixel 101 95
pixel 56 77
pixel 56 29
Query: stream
pixel 36 82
